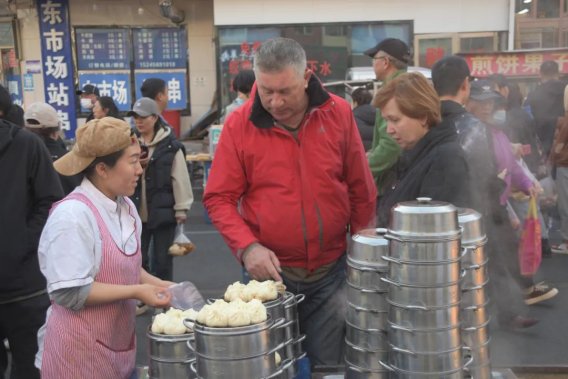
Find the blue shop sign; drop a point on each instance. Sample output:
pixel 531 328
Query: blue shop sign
pixel 55 37
pixel 160 48
pixel 176 83
pixel 102 49
pixel 112 84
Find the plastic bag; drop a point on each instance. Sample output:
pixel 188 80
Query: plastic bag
pixel 530 251
pixel 185 295
pixel 182 244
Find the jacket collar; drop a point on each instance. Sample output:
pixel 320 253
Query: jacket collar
pixel 261 118
pixel 451 108
pixel 443 132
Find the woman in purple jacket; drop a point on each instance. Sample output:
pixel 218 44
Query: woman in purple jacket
pixel 489 107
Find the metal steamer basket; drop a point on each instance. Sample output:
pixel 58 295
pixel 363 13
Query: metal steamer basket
pixel 246 351
pixel 292 350
pixel 475 301
pixel 366 312
pixel 424 291
pixel 170 356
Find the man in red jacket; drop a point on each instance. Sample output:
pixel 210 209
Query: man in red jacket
pixel 288 179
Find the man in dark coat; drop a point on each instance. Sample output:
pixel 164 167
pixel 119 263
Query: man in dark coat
pixel 547 103
pixel 365 115
pixel 30 186
pixel 451 79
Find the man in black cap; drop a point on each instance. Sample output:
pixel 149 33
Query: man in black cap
pixel 451 79
pixel 391 57
pixel 89 96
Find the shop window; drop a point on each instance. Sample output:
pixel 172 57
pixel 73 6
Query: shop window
pixel 548 9
pixel 550 38
pixel 303 29
pixel 332 49
pixel 530 39
pixel 431 50
pixel 6 34
pixel 477 44
pixel 523 8
pixel 335 30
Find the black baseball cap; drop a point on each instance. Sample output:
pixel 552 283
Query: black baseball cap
pixel 393 47
pixel 481 90
pixel 89 89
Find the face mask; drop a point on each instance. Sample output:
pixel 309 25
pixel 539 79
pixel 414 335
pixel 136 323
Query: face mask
pixel 500 117
pixel 86 103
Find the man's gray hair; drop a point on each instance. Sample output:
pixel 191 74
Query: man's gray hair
pixel 398 64
pixel 278 54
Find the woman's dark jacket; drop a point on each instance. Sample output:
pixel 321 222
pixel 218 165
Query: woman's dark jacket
pixel 435 167
pixel 159 190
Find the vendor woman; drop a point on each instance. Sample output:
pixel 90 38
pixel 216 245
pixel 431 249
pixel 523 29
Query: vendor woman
pixel 89 252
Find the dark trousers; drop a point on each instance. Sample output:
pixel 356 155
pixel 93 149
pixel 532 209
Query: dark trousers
pixel 505 279
pixel 157 261
pixel 19 323
pixel 322 315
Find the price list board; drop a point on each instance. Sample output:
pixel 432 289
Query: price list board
pixel 102 49
pixel 160 48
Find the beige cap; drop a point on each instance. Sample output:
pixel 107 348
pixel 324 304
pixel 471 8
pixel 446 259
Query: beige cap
pixel 44 114
pixel 96 138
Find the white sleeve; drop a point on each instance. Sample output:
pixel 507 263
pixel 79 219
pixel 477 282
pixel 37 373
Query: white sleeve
pixel 70 246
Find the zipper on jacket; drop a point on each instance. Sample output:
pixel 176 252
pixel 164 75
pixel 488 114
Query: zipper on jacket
pixel 320 224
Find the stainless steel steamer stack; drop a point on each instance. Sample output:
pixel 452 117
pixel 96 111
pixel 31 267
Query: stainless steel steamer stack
pixel 238 352
pixel 286 307
pixel 424 276
pixel 474 305
pixel 366 313
pixel 169 356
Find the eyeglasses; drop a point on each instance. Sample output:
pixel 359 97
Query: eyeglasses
pixel 381 57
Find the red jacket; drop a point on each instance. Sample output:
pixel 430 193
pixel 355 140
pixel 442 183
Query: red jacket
pixel 294 197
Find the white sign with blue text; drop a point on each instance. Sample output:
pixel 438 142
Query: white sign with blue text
pixel 112 84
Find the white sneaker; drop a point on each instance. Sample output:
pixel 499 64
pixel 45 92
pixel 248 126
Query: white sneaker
pixel 560 249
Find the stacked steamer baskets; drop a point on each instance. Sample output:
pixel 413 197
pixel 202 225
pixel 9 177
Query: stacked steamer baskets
pixel 237 352
pixel 474 305
pixel 286 307
pixel 366 313
pixel 169 356
pixel 424 291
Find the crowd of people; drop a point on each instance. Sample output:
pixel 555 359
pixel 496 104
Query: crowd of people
pixel 296 169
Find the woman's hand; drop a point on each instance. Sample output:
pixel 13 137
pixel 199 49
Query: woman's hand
pixel 166 284
pixel 155 296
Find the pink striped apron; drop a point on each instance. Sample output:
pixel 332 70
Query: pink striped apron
pixel 99 341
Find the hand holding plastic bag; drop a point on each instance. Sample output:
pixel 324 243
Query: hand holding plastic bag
pixel 185 296
pixel 182 244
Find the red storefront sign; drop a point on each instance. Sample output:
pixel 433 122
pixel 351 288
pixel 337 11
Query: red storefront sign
pixel 520 63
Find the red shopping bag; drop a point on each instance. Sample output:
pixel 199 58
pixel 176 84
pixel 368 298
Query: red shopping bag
pixel 530 252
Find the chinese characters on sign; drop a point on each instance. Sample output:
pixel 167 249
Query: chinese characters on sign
pixel 115 85
pixel 160 48
pixel 176 82
pixel 327 63
pixel 57 64
pixel 514 64
pixel 103 49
